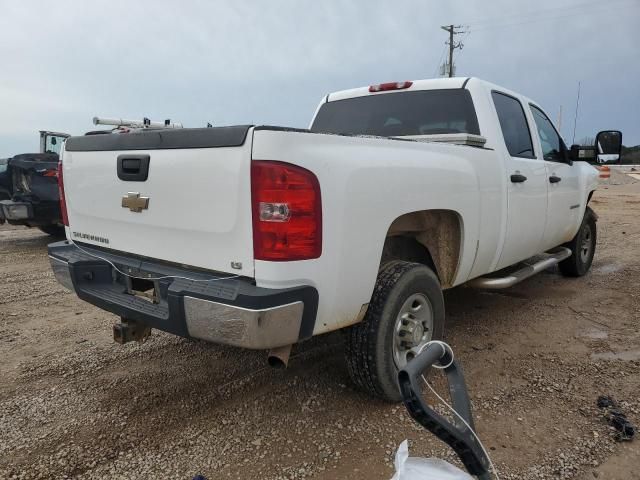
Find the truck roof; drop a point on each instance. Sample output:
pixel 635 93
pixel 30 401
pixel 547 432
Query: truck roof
pixel 427 84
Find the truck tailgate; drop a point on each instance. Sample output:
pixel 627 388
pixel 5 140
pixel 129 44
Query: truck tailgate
pixel 193 208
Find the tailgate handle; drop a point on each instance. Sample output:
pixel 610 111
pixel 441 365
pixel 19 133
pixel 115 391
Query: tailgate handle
pixel 133 168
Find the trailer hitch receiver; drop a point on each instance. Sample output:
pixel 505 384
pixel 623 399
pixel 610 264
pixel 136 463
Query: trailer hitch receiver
pixel 129 331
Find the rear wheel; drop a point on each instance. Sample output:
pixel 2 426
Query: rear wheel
pixel 406 312
pixel 583 248
pixel 53 230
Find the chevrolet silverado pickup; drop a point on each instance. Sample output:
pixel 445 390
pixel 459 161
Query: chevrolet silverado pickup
pixel 262 237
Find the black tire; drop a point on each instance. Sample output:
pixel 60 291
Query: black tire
pixel 53 230
pixel 369 350
pixel 583 247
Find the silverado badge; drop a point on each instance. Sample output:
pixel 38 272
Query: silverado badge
pixel 134 202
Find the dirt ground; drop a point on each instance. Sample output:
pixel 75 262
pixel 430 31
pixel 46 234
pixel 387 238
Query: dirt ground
pixel 75 405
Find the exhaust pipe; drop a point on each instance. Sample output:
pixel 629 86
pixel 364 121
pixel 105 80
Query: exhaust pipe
pixel 279 357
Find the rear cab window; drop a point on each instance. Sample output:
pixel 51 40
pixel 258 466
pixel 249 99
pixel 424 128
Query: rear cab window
pixel 513 123
pixel 420 112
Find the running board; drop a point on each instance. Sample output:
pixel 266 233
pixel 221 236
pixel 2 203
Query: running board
pixel 495 283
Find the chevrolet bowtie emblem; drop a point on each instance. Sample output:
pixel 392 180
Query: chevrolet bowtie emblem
pixel 134 202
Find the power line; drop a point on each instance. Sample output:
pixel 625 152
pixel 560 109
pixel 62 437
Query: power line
pixel 536 17
pixel 444 49
pixel 462 40
pixel 498 21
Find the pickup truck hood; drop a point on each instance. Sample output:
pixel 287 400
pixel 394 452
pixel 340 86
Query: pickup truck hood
pixel 192 208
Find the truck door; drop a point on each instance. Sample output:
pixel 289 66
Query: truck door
pixel 563 204
pixel 526 184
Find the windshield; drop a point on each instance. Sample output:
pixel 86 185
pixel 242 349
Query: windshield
pixel 423 112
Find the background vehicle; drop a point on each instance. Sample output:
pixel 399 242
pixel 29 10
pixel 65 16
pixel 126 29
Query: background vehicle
pixel 261 237
pixel 29 187
pixel 5 181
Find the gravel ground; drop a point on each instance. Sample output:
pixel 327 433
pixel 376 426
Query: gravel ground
pixel 75 405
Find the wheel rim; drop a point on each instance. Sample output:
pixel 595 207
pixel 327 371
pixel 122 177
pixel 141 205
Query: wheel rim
pixel 586 246
pixel 413 328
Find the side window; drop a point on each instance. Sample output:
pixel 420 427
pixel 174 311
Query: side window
pixel 549 138
pixel 513 123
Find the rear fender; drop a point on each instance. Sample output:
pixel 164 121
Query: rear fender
pixel 440 232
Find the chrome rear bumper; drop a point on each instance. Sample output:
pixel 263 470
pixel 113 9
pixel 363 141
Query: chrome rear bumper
pixel 243 327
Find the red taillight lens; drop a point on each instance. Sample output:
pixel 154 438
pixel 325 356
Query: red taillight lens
pixel 287 212
pixel 385 87
pixel 63 202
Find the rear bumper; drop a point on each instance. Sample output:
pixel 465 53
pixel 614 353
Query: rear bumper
pixel 15 211
pixel 23 211
pixel 189 303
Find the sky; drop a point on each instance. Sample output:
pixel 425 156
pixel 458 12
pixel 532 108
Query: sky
pixel 257 62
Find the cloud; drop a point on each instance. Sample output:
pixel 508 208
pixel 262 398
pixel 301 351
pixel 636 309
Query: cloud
pixel 271 62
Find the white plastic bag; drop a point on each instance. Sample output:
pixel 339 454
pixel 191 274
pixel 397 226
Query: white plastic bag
pixel 415 468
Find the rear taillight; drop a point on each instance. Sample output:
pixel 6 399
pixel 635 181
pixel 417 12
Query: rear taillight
pixel 63 202
pixel 287 212
pixel 385 87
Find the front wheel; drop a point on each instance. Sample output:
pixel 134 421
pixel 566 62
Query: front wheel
pixel 583 248
pixel 406 311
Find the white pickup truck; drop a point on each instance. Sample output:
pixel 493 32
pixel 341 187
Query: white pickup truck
pixel 262 237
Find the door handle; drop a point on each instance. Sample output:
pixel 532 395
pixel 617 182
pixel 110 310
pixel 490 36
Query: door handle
pixel 131 165
pixel 133 168
pixel 518 178
pixel 554 179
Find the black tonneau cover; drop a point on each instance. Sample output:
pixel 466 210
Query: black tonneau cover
pixel 161 139
pixel 35 161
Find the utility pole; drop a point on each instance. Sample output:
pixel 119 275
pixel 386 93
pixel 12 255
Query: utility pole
pixel 452 45
pixel 575 120
pixel 560 120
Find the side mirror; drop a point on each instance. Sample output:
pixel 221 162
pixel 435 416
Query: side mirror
pixel 582 153
pixel 608 146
